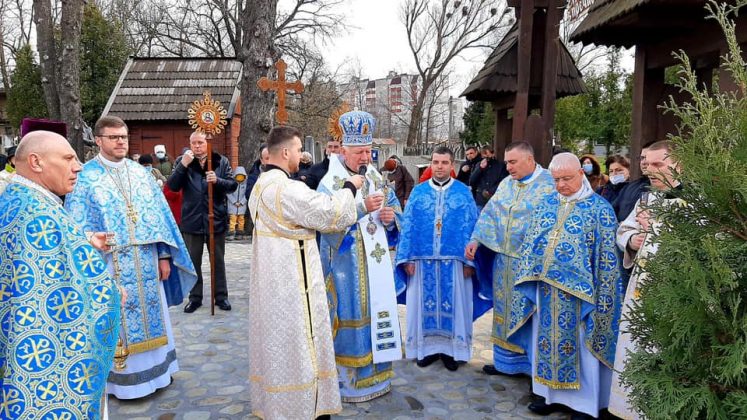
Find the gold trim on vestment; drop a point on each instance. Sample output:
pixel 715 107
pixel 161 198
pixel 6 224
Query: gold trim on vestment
pixel 367 397
pixel 298 237
pixel 506 345
pixel 375 379
pixel 357 323
pixel 338 213
pixel 558 385
pixel 306 305
pixel 544 279
pixel 602 359
pixel 362 272
pixel 522 322
pixel 278 389
pixel 293 387
pixel 148 345
pixel 353 361
pixel 329 285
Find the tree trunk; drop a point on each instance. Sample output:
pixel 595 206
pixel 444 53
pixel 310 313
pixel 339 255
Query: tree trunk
pixel 47 55
pixel 416 117
pixel 257 54
pixel 3 65
pixel 72 18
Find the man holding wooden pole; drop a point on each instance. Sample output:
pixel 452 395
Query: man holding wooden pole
pixel 192 176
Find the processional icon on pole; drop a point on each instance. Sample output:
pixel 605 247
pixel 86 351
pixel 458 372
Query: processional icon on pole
pixel 209 117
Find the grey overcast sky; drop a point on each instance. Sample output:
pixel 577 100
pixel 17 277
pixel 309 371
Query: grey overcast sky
pixel 377 39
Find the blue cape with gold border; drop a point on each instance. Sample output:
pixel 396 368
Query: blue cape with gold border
pixel 59 310
pixel 571 256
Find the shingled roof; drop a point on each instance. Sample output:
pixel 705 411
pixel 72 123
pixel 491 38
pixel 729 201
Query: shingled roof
pixel 164 88
pixel 498 77
pixel 627 22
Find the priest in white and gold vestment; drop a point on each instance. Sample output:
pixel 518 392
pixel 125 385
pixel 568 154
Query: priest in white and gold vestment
pixel 291 355
pixel 637 238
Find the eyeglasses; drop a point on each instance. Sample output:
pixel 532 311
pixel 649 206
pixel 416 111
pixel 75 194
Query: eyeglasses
pixel 115 137
pixel 565 179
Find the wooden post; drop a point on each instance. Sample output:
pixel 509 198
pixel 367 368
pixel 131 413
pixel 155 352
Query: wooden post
pixel 647 88
pixel 502 132
pixel 521 106
pixel 549 79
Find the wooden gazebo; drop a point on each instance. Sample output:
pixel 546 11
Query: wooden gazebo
pixel 528 70
pixel 657 28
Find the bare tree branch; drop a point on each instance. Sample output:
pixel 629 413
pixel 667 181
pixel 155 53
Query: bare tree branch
pixel 438 31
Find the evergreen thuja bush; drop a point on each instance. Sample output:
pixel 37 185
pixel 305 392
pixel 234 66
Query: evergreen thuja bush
pixel 690 322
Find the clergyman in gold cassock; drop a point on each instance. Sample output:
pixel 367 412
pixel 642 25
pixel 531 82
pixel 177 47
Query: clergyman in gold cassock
pixel 291 354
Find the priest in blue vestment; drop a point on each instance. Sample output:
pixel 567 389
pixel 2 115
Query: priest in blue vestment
pixel 570 274
pixel 495 246
pixel 59 306
pixel 358 269
pixel 439 218
pixel 150 261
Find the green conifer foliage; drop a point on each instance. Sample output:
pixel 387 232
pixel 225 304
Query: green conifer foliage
pixel 25 98
pixel 690 322
pixel 103 54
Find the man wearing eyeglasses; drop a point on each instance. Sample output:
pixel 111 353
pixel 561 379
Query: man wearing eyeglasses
pixel 571 281
pixel 148 259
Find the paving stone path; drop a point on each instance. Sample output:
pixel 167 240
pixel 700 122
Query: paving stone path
pixel 213 379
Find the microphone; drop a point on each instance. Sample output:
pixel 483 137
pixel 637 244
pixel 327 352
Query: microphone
pixel 362 170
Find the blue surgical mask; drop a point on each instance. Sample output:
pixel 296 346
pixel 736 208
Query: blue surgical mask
pixel 588 168
pixel 160 155
pixel 617 179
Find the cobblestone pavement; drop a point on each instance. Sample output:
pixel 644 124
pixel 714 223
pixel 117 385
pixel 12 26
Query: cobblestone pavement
pixel 213 379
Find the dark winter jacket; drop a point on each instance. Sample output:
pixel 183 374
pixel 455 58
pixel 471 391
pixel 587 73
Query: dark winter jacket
pixel 464 176
pixel 315 174
pixel 252 177
pixel 165 165
pixel 628 196
pixel 484 182
pixel 610 191
pixel 191 181
pixel 403 183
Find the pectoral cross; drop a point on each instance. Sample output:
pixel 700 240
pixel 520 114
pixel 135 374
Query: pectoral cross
pixel 554 237
pixel 337 183
pixel 439 225
pixel 132 213
pixel 378 252
pixel 280 86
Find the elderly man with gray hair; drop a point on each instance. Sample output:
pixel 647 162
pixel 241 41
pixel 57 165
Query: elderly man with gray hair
pixel 570 278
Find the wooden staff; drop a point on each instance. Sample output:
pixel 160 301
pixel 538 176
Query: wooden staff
pixel 209 117
pixel 211 226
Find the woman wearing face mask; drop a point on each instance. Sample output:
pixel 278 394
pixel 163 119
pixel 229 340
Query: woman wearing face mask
pixel 163 162
pixel 593 171
pixel 618 169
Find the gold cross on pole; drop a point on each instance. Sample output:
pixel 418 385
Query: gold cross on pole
pixel 281 86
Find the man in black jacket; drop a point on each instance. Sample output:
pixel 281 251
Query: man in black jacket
pixel 256 169
pixel 317 172
pixel 486 176
pixel 192 177
pixel 631 193
pixel 473 159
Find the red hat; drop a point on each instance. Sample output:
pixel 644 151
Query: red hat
pixel 34 124
pixel 390 165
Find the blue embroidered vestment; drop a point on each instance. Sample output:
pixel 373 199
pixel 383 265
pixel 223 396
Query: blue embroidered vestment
pixel 59 309
pixel 98 205
pixel 571 257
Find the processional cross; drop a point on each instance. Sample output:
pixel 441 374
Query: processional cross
pixel 208 116
pixel 280 86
